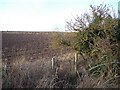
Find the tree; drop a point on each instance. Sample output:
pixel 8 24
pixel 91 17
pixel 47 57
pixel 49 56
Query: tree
pixel 98 39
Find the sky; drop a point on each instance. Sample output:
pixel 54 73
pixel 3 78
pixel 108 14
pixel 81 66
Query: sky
pixel 43 15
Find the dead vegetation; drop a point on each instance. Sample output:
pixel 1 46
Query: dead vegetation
pixel 38 74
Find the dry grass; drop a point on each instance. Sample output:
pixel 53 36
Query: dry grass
pixel 38 74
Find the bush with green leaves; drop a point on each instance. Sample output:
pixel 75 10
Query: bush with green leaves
pixel 97 39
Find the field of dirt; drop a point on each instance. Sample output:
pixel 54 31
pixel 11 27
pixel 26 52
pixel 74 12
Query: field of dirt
pixel 26 60
pixel 32 45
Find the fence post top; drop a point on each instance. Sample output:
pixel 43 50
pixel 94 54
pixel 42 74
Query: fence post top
pixel 54 57
pixel 77 52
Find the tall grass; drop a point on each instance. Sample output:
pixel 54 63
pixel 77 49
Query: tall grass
pixel 39 74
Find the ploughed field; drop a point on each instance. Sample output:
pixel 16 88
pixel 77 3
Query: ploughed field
pixel 27 59
pixel 31 45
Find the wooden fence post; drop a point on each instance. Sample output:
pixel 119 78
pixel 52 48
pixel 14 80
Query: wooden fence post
pixel 55 66
pixel 53 61
pixel 76 58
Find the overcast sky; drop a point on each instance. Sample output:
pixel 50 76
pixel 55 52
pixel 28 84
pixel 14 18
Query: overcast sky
pixel 43 15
